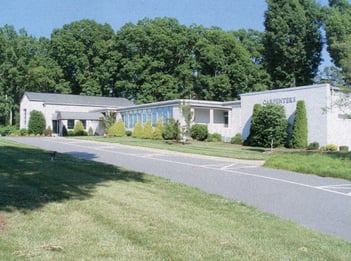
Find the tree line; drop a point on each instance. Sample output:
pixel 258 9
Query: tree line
pixel 161 59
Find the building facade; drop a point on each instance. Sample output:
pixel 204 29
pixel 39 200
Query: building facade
pixel 64 110
pixel 328 123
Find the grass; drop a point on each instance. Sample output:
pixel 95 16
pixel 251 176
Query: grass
pixel 218 149
pixel 325 164
pixel 73 209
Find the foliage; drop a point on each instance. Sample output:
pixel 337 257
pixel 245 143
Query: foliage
pixel 138 130
pixel 36 123
pixel 117 130
pixel 171 130
pixel 188 117
pixel 237 139
pixel 270 127
pixel 7 130
pixel 292 41
pixel 148 130
pixel 331 147
pixel 344 148
pixel 78 129
pixel 129 133
pixel 338 31
pixel 83 49
pixel 47 132
pixel 313 146
pixel 214 137
pixel 199 132
pixel 299 132
pixel 108 120
pixel 90 131
pixel 157 134
pixel 251 139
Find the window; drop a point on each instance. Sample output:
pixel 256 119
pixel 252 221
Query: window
pixel 84 124
pixel 25 117
pixel 70 124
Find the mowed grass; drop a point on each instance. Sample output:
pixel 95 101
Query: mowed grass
pixel 217 149
pixel 325 164
pixel 73 209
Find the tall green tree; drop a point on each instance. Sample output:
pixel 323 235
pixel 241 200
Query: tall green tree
pixel 338 32
pixel 299 134
pixel 84 50
pixel 292 41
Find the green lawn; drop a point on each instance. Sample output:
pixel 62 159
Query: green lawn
pixel 73 209
pixel 218 149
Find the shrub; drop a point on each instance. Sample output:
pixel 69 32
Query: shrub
pixel 199 132
pixel 117 129
pixel 36 124
pixel 78 129
pixel 344 148
pixel 23 132
pixel 157 134
pixel 299 129
pixel 331 147
pixel 47 132
pixel 148 130
pixel 171 130
pixel 138 130
pixel 128 133
pixel 7 130
pixel 313 146
pixel 215 137
pixel 250 141
pixel 269 127
pixel 237 139
pixel 90 131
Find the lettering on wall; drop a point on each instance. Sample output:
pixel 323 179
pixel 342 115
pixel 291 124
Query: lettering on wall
pixel 279 100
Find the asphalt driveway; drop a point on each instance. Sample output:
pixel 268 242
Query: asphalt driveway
pixel 322 204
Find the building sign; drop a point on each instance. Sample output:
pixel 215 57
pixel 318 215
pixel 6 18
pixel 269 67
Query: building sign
pixel 280 101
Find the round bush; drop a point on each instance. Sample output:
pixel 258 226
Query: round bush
pixel 344 148
pixel 36 124
pixel 199 132
pixel 237 139
pixel 331 147
pixel 313 146
pixel 215 137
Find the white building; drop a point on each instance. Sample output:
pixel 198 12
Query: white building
pixel 64 110
pixel 327 124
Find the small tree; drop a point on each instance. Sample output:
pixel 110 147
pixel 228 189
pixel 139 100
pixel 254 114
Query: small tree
pixel 78 129
pixel 252 138
pixel 148 130
pixel 171 131
pixel 37 123
pixel 157 133
pixel 299 134
pixel 270 127
pixel 138 130
pixel 117 129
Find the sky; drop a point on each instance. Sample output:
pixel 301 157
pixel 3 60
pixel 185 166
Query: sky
pixel 40 17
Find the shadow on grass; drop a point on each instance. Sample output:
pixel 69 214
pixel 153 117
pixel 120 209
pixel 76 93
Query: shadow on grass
pixel 29 179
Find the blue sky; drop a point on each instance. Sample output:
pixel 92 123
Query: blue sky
pixel 40 17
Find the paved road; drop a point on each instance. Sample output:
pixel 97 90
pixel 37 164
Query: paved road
pixel 322 204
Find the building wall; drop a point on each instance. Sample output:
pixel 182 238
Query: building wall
pixel 339 122
pixel 49 110
pixel 315 97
